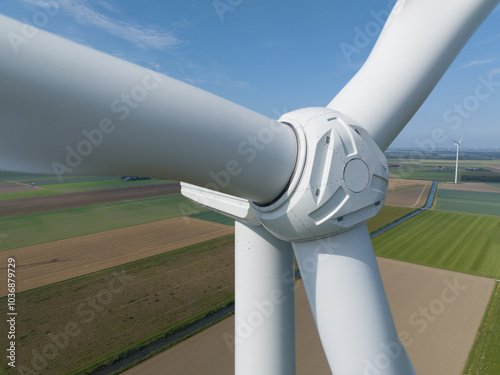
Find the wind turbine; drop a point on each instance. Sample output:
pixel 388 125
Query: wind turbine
pixel 305 184
pixel 456 165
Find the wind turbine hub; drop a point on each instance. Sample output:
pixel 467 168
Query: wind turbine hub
pixel 356 175
pixel 340 179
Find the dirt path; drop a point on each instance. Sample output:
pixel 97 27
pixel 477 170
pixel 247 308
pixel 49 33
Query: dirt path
pixel 414 196
pixel 398 183
pixel 23 206
pixel 51 262
pixel 455 305
pixel 15 187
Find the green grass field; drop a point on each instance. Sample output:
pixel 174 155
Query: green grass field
pixel 112 311
pixel 485 353
pixel 28 178
pixel 458 242
pixel 214 217
pixel 418 173
pixel 26 194
pixel 33 229
pixel 386 216
pixel 469 202
pixel 410 169
pixel 80 187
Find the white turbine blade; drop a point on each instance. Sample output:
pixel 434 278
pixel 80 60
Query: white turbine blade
pixel 349 305
pixel 457 143
pixel 264 308
pixel 418 43
pixel 460 142
pixel 66 108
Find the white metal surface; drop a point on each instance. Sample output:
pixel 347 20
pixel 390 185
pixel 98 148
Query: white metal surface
pixel 349 305
pixel 228 205
pixel 418 43
pixel 341 183
pixel 66 108
pixel 456 164
pixel 265 310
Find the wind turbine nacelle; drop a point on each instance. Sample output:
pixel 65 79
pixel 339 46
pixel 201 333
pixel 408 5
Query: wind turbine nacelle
pixel 340 180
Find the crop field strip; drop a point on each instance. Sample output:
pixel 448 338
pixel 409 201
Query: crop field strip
pixel 32 229
pixel 413 196
pixel 454 241
pixel 113 310
pixel 483 358
pixel 410 169
pixel 52 262
pixel 15 207
pixel 473 202
pixel 472 186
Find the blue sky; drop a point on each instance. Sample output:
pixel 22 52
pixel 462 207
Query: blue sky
pixel 275 56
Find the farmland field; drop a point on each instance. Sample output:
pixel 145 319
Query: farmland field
pixel 472 202
pixel 214 217
pixel 458 242
pixel 483 359
pixel 51 262
pixel 34 205
pixel 109 311
pixel 411 196
pixel 472 186
pixel 33 229
pixel 410 169
pixel 439 349
pixel 387 215
pixel 17 190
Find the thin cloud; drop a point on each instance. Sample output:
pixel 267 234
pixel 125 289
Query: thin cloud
pixel 495 72
pixel 476 62
pixel 143 36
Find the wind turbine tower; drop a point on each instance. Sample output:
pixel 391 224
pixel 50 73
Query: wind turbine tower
pixel 456 165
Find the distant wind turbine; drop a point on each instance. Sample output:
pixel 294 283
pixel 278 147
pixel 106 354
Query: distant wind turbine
pixel 458 148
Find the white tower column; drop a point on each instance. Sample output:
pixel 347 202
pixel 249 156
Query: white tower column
pixel 264 303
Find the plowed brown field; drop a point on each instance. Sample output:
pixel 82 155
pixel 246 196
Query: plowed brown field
pixel 33 205
pixel 408 193
pixel 51 262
